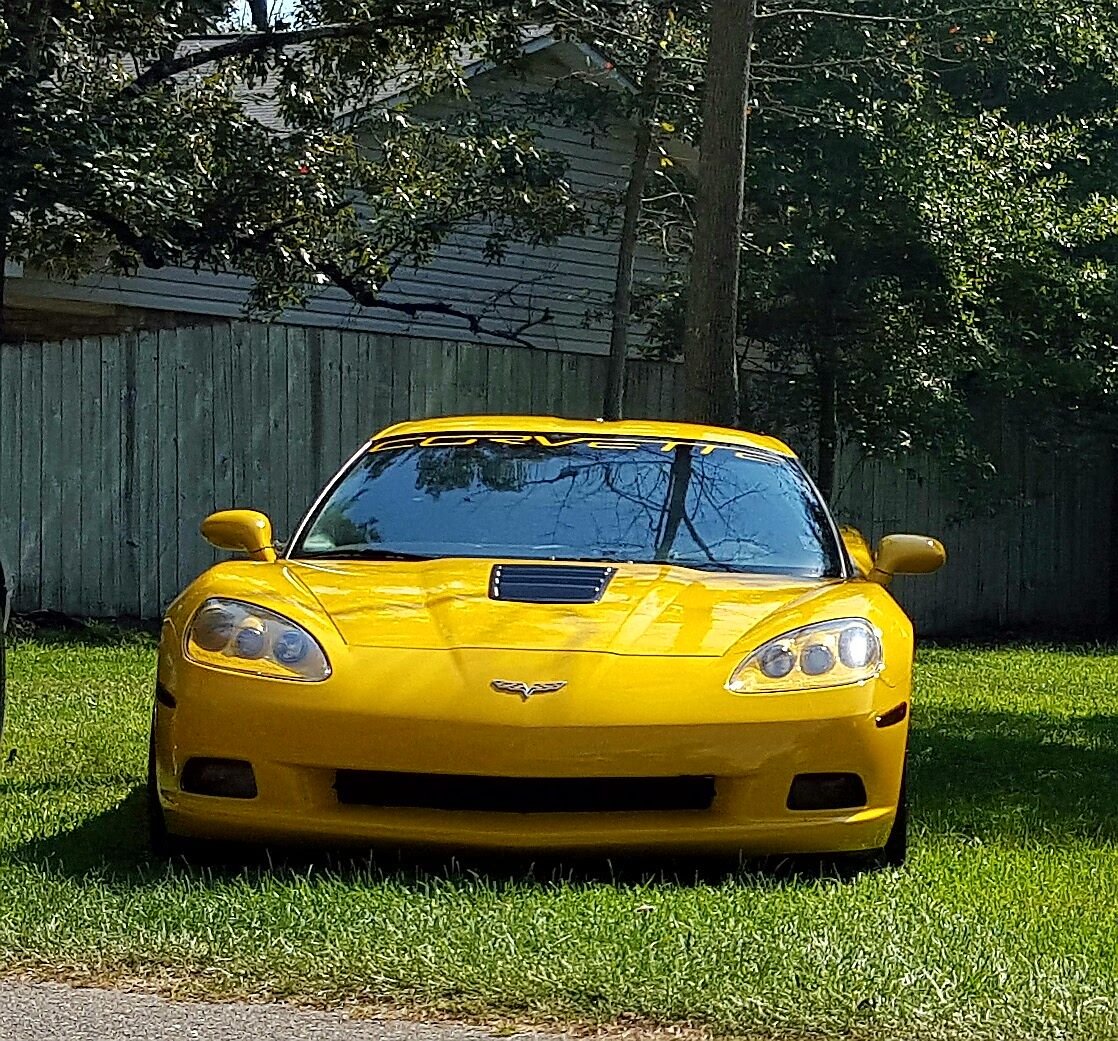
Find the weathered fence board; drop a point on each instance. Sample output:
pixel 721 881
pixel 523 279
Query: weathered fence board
pixel 113 449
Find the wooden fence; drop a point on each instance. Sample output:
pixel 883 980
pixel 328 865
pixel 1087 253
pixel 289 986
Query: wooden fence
pixel 113 449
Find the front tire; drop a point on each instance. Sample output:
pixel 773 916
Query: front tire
pixel 158 839
pixel 163 845
pixel 895 851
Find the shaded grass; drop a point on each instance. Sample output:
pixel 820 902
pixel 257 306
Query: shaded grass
pixel 1005 925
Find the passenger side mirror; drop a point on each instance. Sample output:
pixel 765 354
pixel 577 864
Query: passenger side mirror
pixel 906 555
pixel 246 530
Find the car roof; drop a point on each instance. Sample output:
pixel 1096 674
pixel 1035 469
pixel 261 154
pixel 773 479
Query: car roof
pixel 554 425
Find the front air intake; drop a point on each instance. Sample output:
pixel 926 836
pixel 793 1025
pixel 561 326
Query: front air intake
pixel 543 584
pixel 826 792
pixel 523 794
pixel 221 778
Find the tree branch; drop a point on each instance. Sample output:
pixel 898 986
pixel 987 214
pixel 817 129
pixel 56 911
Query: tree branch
pixel 361 293
pixel 168 68
pixel 251 43
pixel 128 237
pixel 816 12
pixel 365 296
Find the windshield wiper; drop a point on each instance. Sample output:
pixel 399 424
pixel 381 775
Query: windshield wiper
pixel 761 570
pixel 363 553
pixel 715 566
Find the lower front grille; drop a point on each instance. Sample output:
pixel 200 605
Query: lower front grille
pixel 523 794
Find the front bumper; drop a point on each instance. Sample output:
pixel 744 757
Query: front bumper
pixel 413 712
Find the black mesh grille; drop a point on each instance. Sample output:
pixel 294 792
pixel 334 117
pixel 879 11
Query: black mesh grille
pixel 540 584
pixel 826 792
pixel 523 794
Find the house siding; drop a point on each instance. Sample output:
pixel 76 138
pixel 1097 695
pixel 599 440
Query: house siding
pixel 570 279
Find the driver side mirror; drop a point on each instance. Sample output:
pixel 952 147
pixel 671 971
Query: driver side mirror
pixel 906 555
pixel 245 530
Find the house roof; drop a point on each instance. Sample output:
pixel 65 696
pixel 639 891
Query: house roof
pixel 259 101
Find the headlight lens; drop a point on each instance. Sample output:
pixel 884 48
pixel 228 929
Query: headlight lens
pixel 230 634
pixel 827 654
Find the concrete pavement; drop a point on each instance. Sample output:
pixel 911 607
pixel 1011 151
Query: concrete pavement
pixel 52 1012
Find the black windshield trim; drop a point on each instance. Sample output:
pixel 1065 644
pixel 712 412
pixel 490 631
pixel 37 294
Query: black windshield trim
pixel 545 439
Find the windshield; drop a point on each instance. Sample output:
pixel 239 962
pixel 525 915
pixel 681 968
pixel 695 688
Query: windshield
pixel 560 497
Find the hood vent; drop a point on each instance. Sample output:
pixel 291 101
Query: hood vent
pixel 541 584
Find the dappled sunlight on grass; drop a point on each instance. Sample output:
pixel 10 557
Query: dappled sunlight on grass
pixel 1002 926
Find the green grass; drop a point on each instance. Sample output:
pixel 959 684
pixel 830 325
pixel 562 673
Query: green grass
pixel 1005 924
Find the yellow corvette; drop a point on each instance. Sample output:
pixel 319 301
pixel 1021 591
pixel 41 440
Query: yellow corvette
pixel 532 633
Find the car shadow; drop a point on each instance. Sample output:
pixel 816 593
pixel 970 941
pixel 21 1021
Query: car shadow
pixel 116 842
pixel 1015 776
pixel 982 776
pixel 56 629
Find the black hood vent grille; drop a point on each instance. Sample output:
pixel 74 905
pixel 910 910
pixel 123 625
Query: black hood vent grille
pixel 541 584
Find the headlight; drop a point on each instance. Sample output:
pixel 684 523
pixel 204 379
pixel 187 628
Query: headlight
pixel 827 654
pixel 233 635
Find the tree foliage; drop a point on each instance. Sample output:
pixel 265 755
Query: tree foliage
pixel 931 201
pixel 931 188
pixel 175 133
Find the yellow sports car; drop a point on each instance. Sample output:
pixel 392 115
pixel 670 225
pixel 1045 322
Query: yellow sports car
pixel 533 633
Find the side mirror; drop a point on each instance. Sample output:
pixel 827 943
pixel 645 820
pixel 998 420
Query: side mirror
pixel 244 530
pixel 906 555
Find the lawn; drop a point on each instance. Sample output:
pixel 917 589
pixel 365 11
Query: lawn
pixel 1005 924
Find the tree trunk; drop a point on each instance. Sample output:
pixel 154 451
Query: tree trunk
pixel 8 146
pixel 710 359
pixel 259 11
pixel 7 203
pixel 613 406
pixel 3 277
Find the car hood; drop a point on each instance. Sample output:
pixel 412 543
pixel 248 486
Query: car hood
pixel 647 609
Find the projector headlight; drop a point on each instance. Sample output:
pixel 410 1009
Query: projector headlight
pixel 826 654
pixel 233 635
